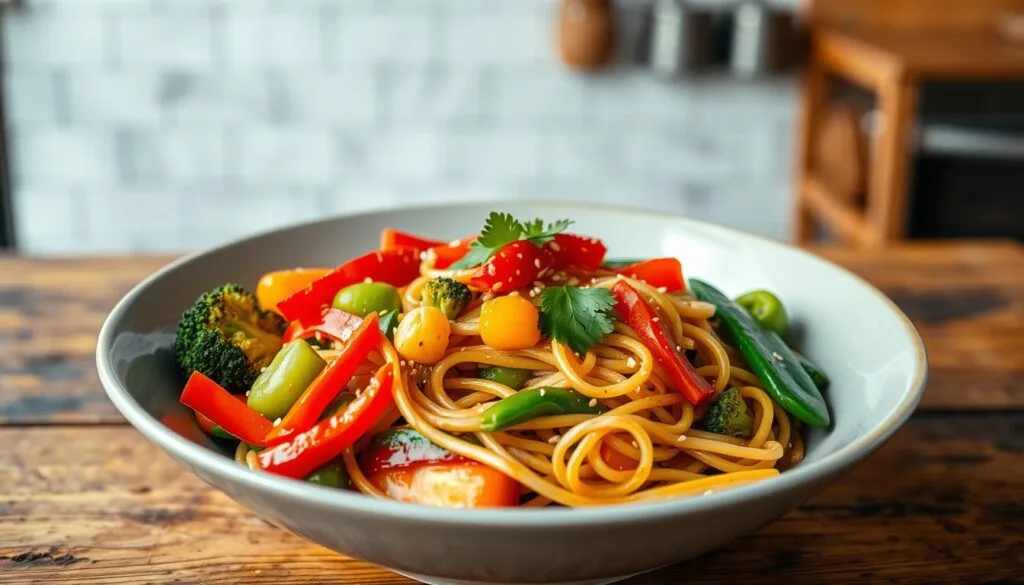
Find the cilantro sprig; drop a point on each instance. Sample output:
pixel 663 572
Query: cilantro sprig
pixel 501 229
pixel 577 317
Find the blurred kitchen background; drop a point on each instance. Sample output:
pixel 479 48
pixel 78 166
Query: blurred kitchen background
pixel 172 125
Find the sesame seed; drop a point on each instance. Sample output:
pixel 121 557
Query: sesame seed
pixel 514 293
pixel 554 439
pixel 519 255
pixel 536 262
pixel 380 257
pixel 554 246
pixel 556 278
pixel 679 348
pixel 592 403
pixel 532 293
pixel 662 289
pixel 631 362
pixel 518 272
pixel 776 356
pixel 655 319
pixel 496 287
pixel 277 422
pixel 367 279
pixel 635 446
pixel 542 392
pixel 490 269
pixel 423 255
pixel 681 438
pixel 708 492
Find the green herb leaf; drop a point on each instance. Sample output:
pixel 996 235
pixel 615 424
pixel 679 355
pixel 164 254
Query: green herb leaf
pixel 577 317
pixel 388 322
pixel 539 235
pixel 502 229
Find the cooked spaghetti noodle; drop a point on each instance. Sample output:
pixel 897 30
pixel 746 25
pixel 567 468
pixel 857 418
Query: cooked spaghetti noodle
pixel 642 441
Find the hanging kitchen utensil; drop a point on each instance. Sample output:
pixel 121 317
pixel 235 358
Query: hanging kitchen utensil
pixel 586 33
pixel 762 39
pixel 680 38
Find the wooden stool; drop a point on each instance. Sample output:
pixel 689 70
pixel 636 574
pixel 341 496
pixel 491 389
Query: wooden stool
pixel 890 47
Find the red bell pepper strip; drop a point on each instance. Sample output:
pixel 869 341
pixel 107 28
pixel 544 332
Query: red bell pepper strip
pixel 395 267
pixel 574 250
pixel 323 442
pixel 330 382
pixel 512 267
pixel 334 323
pixel 443 256
pixel 209 399
pixel 391 239
pixel 639 316
pixel 657 272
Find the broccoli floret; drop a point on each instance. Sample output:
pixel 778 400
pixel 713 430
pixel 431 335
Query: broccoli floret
pixel 227 336
pixel 728 415
pixel 451 296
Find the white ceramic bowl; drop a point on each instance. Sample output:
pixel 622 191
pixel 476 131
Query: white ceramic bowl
pixel 869 348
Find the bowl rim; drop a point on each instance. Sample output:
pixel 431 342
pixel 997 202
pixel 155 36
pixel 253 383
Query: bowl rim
pixel 352 502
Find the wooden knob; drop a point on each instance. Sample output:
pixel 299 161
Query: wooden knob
pixel 586 33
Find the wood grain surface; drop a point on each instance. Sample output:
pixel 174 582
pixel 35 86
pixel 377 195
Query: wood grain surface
pixel 84 498
pixel 938 503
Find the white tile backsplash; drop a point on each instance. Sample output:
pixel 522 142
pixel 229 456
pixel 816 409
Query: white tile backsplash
pixel 125 113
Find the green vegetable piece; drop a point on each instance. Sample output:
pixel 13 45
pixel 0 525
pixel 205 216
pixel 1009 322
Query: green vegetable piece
pixel 228 337
pixel 728 415
pixel 577 317
pixel 514 378
pixel 769 358
pixel 388 322
pixel 819 377
pixel 536 402
pixel 284 380
pixel 767 309
pixel 338 404
pixel 220 433
pixel 620 262
pixel 368 297
pixel 332 474
pixel 449 295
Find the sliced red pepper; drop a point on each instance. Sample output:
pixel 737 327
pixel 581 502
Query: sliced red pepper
pixel 635 311
pixel 574 250
pixel 391 239
pixel 395 267
pixel 330 382
pixel 443 256
pixel 333 323
pixel 323 442
pixel 209 399
pixel 512 267
pixel 657 272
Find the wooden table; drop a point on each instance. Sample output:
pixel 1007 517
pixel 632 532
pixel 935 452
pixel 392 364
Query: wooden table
pixel 84 498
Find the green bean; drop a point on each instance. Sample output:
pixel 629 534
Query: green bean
pixel 536 402
pixel 278 387
pixel 514 378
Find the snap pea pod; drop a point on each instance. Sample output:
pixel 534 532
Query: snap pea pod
pixel 769 357
pixel 768 310
pixel 536 402
pixel 819 377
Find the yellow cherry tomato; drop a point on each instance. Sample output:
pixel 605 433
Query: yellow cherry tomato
pixel 277 286
pixel 423 334
pixel 509 322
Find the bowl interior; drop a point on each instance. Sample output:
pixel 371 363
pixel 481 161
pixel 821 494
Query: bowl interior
pixel 869 349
